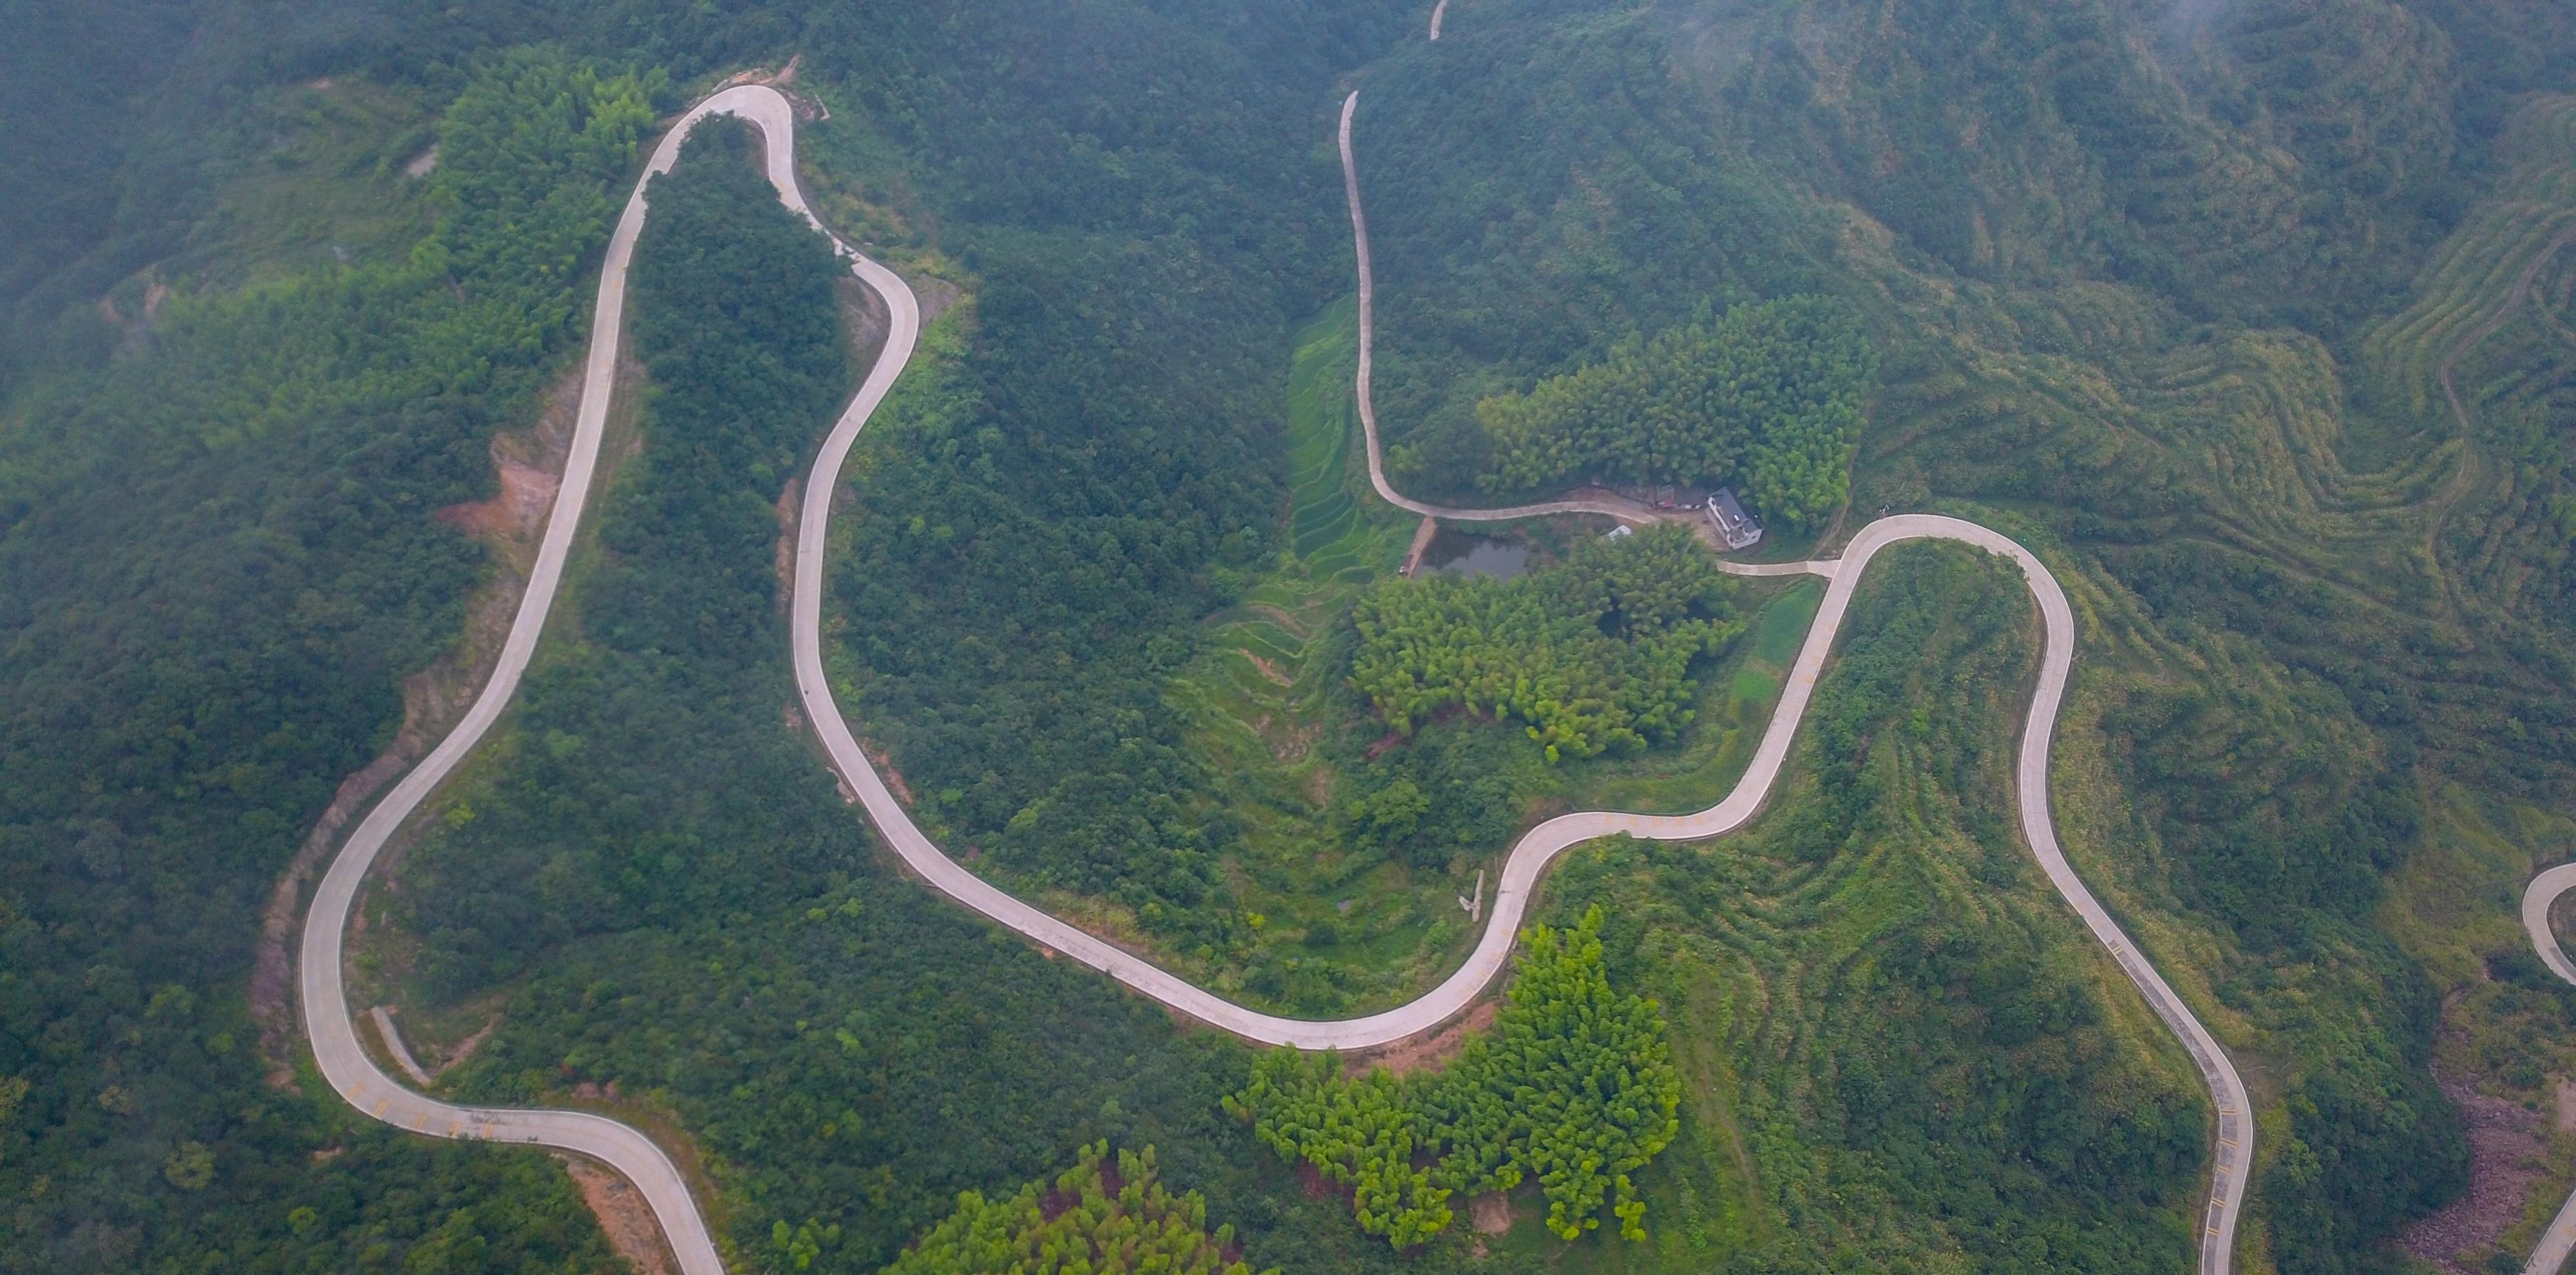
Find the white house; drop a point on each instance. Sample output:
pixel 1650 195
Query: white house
pixel 1735 527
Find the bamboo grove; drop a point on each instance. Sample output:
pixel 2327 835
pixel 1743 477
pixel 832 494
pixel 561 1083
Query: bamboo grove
pixel 1593 654
pixel 1574 1086
pixel 1768 398
pixel 1099 1218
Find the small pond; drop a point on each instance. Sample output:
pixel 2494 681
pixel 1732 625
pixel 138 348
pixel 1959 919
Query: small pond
pixel 1460 555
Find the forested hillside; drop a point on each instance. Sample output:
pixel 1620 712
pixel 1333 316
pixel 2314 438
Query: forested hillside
pixel 1593 655
pixel 656 892
pixel 2147 283
pixel 1768 398
pixel 1572 1088
pixel 2255 319
pixel 220 556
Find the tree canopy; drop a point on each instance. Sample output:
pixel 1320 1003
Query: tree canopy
pixel 1768 398
pixel 1592 654
pixel 1574 1086
pixel 1100 1217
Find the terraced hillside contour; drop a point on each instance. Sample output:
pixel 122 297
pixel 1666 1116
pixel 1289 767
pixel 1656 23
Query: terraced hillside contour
pixel 356 1077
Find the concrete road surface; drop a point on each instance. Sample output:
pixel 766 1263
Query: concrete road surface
pixel 2560 1238
pixel 355 1077
pixel 343 1062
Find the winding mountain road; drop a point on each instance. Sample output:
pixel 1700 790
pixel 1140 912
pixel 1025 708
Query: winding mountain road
pixel 2233 1139
pixel 343 1061
pixel 349 1070
pixel 2550 1255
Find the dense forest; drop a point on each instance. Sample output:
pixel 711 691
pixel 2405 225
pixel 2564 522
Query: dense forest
pixel 581 828
pixel 667 908
pixel 1573 1087
pixel 220 556
pixel 2220 308
pixel 1044 514
pixel 1098 1218
pixel 1768 398
pixel 1592 654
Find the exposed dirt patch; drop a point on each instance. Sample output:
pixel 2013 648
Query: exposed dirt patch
pixel 1427 1052
pixel 464 1048
pixel 530 468
pixel 420 165
pixel 777 79
pixel 1292 743
pixel 624 1216
pixel 787 542
pixel 2506 1145
pixel 527 492
pixel 2566 1093
pixel 884 763
pixel 864 317
pixel 935 295
pixel 1318 1187
pixel 1268 670
pixel 1319 784
pixel 530 465
pixel 1490 1213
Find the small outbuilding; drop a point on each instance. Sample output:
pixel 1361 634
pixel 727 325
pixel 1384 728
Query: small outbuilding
pixel 1735 528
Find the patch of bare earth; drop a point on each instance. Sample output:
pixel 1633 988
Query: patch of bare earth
pixel 935 296
pixel 2506 1144
pixel 443 1061
pixel 1319 785
pixel 864 319
pixel 1268 670
pixel 1431 1051
pixel 787 542
pixel 1488 1214
pixel 624 1215
pixel 884 762
pixel 529 467
pixel 1293 742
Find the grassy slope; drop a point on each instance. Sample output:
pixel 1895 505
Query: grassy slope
pixel 2403 615
pixel 2154 361
pixel 1857 1089
pixel 1267 690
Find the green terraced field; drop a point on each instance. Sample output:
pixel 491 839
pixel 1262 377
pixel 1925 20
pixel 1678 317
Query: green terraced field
pixel 1268 690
